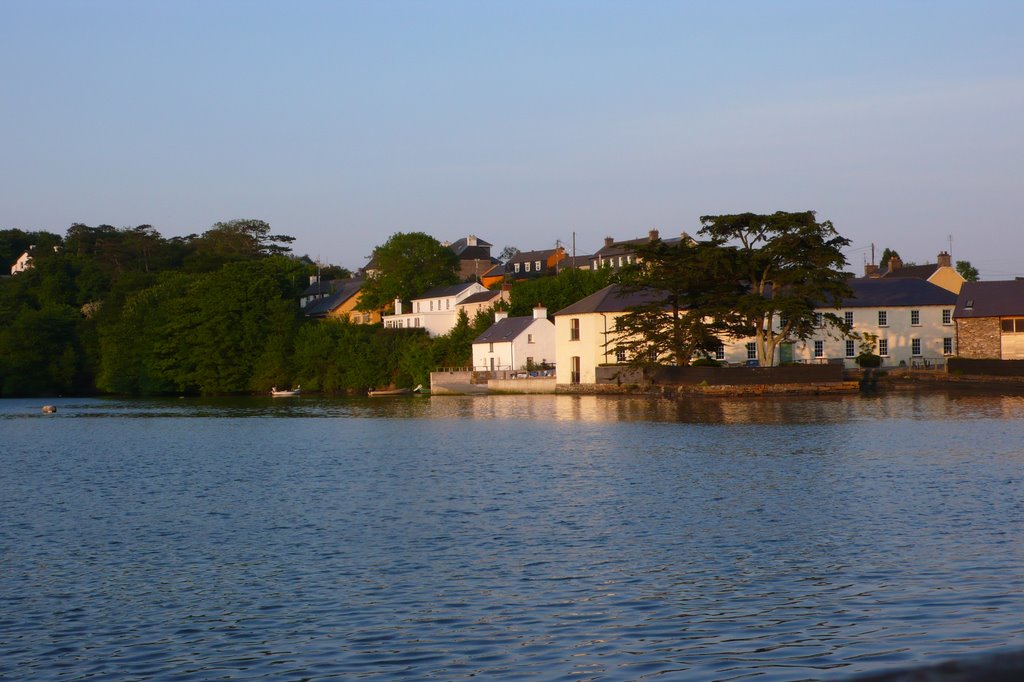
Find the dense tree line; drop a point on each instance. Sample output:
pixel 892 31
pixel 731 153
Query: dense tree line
pixel 127 311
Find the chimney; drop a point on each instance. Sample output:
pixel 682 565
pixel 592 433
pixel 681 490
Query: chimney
pixel 540 312
pixel 398 306
pixel 652 235
pixel 608 242
pixel 500 315
pixel 895 263
pixel 471 240
pixel 945 260
pixel 313 279
pixel 870 270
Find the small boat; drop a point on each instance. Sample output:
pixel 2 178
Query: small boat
pixel 382 392
pixel 285 393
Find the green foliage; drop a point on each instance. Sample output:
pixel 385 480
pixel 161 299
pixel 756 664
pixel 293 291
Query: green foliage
pixel 40 352
pixel 555 293
pixel 967 271
pixel 337 357
pixel 235 240
pixel 408 264
pixel 687 290
pixel 790 265
pixel 886 255
pixel 227 331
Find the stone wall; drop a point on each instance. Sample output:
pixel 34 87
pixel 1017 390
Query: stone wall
pixel 978 337
pixel 531 385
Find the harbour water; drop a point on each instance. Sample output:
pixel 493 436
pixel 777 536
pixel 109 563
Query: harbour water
pixel 541 537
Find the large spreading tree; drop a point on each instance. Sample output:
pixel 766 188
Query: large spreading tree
pixel 686 291
pixel 408 264
pixel 791 266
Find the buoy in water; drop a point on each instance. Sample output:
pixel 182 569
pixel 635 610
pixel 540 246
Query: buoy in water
pixel 49 409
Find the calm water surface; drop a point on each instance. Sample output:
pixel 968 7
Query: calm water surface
pixel 533 537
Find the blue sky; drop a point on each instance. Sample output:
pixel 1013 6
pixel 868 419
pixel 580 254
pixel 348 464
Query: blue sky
pixel 521 122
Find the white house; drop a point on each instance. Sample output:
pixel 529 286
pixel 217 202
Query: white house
pixel 435 310
pixel 23 263
pixel 911 318
pixel 514 343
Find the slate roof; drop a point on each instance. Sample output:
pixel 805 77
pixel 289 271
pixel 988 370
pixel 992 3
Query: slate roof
pixel 480 251
pixel 317 288
pixel 482 297
pixel 990 299
pixel 441 292
pixel 898 291
pixel 345 289
pixel 530 256
pixel 611 299
pixel 912 271
pixel 505 330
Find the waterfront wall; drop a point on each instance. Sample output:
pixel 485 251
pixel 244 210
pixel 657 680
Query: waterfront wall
pixel 531 385
pixel 721 376
pixel 999 368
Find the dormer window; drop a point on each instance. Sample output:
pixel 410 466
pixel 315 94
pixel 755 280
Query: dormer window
pixel 527 266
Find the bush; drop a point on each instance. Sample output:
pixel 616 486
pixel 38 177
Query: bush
pixel 868 360
pixel 705 362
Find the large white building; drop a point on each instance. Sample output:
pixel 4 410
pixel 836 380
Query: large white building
pixel 436 311
pixel 912 320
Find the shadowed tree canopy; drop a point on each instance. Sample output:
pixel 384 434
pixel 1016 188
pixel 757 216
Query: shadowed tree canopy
pixel 967 271
pixel 790 264
pixel 235 240
pixel 689 291
pixel 406 265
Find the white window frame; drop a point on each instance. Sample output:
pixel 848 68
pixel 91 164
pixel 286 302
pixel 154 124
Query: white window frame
pixel 947 316
pixel 915 318
pixel 851 350
pixel 848 318
pixel 947 345
pixel 819 348
pixel 883 318
pixel 751 351
pixel 526 266
pixel 915 348
pixel 883 348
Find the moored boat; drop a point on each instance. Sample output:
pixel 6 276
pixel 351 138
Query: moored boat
pixel 285 393
pixel 382 392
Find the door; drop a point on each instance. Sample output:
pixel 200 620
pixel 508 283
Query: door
pixel 785 353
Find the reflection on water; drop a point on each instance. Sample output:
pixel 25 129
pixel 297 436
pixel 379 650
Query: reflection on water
pixel 508 536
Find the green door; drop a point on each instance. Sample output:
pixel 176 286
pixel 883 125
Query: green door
pixel 785 353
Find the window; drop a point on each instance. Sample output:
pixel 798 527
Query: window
pixel 536 265
pixel 819 349
pixel 850 351
pixel 848 318
pixel 947 345
pixel 431 306
pixel 883 347
pixel 751 351
pixel 490 347
pixel 915 347
pixel 883 318
pixel 526 266
pixel 947 316
pixel 447 304
pixel 529 338
pixel 720 352
pixel 652 355
pixel 915 318
pixel 515 266
pixel 574 329
pixel 819 320
pixel 1012 325
pixel 620 355
pixel 574 372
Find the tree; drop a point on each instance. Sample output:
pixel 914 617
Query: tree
pixel 558 292
pixel 508 253
pixel 967 271
pixel 407 265
pixel 234 240
pixel 687 290
pixel 790 265
pixel 886 255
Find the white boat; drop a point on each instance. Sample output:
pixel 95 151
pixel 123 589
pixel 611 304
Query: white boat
pixel 395 391
pixel 285 393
